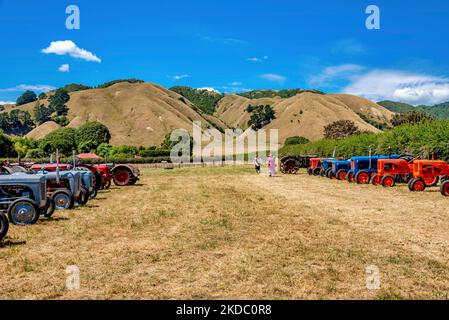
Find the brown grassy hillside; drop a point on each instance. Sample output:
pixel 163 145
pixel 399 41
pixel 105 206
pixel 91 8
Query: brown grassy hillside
pixel 306 114
pixel 41 131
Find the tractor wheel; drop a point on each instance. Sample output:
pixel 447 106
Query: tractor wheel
pixel 316 171
pixel 431 182
pixel 417 185
pixel 376 180
pixel 4 226
pixel 309 171
pixel 322 173
pixel 134 180
pixel 49 208
pixel 93 194
pixel 121 177
pixel 388 181
pixel 63 199
pixel 341 174
pixel 350 177
pixel 107 185
pixel 327 172
pixel 362 177
pixel 23 212
pixel 330 174
pixel 83 198
pixel 444 188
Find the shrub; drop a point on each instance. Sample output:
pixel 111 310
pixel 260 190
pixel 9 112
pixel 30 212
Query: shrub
pixel 340 129
pixel 296 140
pixel 411 117
pixel 261 116
pixel 6 147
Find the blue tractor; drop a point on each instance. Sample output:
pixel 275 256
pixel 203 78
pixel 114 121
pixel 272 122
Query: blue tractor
pixel 326 166
pixel 24 198
pixel 340 169
pixel 364 167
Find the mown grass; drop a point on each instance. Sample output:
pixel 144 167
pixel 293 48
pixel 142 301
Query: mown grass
pixel 224 232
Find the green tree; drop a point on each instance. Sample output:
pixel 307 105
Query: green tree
pixel 58 101
pixel 62 139
pixel 6 147
pixel 41 113
pixel 27 97
pixel 95 132
pixel 104 149
pixel 86 146
pixel 340 129
pixel 261 116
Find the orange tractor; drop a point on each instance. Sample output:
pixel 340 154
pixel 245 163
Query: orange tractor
pixel 390 171
pixel 426 173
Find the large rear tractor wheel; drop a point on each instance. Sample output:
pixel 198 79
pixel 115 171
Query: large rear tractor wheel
pixel 122 177
pixel 362 177
pixel 341 174
pixel 417 185
pixel 23 212
pixel 4 226
pixel 444 188
pixel 316 171
pixel 388 181
pixel 63 199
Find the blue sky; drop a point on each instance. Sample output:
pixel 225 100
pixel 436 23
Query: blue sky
pixel 230 46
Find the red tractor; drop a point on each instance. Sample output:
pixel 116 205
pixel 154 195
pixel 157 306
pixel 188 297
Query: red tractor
pixel 426 173
pixel 315 167
pixel 389 171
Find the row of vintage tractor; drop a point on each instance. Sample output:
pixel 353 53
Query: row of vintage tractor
pixel 32 191
pixel 382 170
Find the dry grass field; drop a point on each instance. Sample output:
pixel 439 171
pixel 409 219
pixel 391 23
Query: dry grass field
pixel 210 233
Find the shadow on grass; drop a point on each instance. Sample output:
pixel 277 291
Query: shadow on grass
pixel 9 243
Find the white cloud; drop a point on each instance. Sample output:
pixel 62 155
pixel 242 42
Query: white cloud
pixel 236 83
pixel 209 89
pixel 400 86
pixel 24 87
pixel 180 77
pixel 273 77
pixel 6 102
pixel 69 47
pixel 255 59
pixel 64 68
pixel 329 74
pixel 348 46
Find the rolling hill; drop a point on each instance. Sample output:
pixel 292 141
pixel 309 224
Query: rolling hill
pixel 440 111
pixel 143 113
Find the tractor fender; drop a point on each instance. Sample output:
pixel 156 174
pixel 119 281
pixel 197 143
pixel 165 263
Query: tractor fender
pixel 132 169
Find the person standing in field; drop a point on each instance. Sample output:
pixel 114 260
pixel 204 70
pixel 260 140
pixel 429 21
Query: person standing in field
pixel 257 164
pixel 271 165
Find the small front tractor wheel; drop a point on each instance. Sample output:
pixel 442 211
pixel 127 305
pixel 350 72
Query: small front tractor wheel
pixel 327 172
pixel 316 171
pixel 121 177
pixel 350 177
pixel 431 182
pixel 63 199
pixel 23 212
pixel 93 194
pixel 322 172
pixel 83 198
pixel 4 226
pixel 341 174
pixel 444 188
pixel 388 181
pixel 309 171
pixel 376 180
pixel 49 208
pixel 417 185
pixel 362 177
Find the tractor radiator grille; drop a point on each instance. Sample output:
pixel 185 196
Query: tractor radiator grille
pixel 44 191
